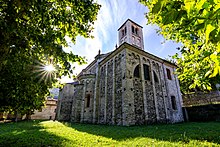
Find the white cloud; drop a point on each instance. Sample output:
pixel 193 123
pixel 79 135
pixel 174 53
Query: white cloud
pixel 149 30
pixel 112 14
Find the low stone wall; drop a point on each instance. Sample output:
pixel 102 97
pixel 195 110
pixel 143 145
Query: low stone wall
pixel 209 112
pixel 202 106
pixel 47 112
pixel 201 98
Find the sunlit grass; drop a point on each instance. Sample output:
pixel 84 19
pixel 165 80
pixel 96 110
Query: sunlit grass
pixel 49 133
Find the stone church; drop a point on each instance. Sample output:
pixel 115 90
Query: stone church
pixel 127 86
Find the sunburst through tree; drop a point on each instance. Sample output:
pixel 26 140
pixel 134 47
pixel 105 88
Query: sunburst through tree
pixel 46 70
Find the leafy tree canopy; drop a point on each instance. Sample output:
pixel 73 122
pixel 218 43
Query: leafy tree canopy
pixel 196 24
pixel 32 35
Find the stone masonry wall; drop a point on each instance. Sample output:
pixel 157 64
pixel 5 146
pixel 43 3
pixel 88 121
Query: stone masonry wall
pixel 131 62
pixel 150 101
pixel 77 103
pixel 139 116
pixel 173 89
pixel 110 91
pixel 121 97
pixel 201 98
pixel 110 83
pixel 151 110
pixel 152 105
pixel 101 117
pixel 48 112
pixel 88 107
pixel 118 90
pixel 65 104
pixel 164 92
pixel 159 94
pixel 138 102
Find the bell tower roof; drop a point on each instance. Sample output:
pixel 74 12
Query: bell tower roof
pixel 131 32
pixel 130 21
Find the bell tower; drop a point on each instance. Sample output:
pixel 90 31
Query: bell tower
pixel 131 32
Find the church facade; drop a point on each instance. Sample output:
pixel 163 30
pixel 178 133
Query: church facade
pixel 127 86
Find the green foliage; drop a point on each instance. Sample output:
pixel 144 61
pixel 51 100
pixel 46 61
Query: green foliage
pixel 196 25
pixel 49 133
pixel 32 35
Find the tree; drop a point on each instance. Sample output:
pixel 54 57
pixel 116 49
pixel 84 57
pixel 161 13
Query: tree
pixel 196 25
pixel 32 36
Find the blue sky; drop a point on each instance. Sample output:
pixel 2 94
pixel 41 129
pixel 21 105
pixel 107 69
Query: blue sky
pixel 112 15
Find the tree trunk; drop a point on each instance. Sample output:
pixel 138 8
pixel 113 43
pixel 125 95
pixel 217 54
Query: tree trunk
pixel 28 115
pixel 16 116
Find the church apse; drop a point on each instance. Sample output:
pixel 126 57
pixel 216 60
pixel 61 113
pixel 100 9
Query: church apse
pixel 82 108
pixel 127 86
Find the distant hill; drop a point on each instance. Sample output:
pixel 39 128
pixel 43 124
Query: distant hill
pixel 54 93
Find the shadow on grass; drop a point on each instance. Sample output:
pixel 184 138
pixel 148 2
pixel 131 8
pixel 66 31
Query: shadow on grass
pixel 209 131
pixel 27 133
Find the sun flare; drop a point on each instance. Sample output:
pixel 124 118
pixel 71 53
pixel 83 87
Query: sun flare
pixel 49 68
pixel 46 71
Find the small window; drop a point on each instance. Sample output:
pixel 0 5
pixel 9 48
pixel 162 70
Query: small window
pixel 137 72
pixel 173 102
pixel 123 32
pixel 168 74
pixel 136 30
pixel 146 72
pixel 155 77
pixel 88 100
pixel 132 28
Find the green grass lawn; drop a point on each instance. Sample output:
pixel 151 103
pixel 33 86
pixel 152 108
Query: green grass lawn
pixel 49 133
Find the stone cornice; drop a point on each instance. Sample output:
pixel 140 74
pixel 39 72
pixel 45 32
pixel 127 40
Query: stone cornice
pixel 137 50
pixel 112 54
pixel 78 85
pixel 86 76
pixel 149 55
pixel 97 57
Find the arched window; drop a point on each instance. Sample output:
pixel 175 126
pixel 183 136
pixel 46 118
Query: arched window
pixel 123 33
pixel 136 30
pixel 88 100
pixel 132 28
pixel 137 72
pixel 155 77
pixel 146 72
